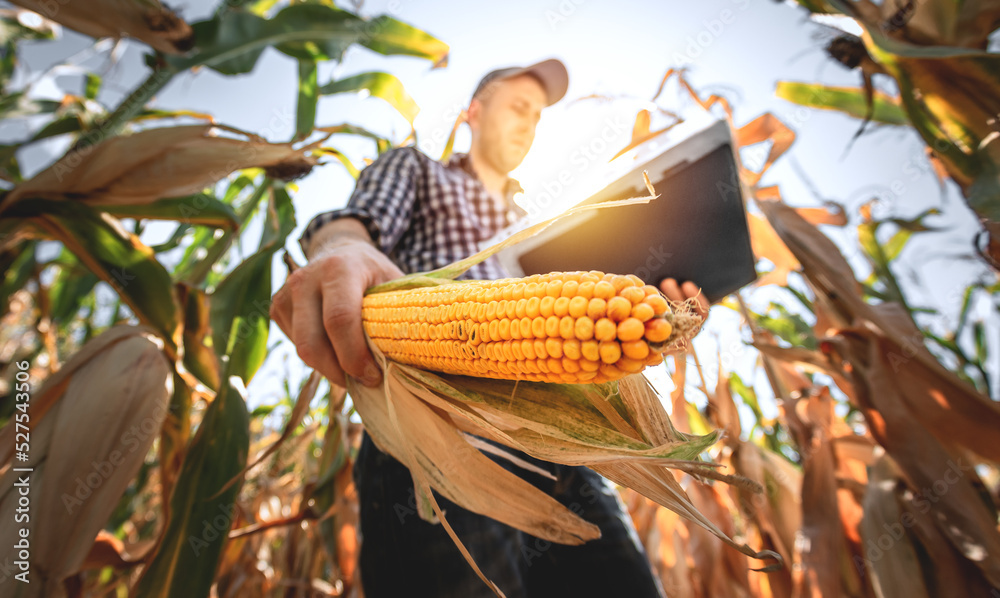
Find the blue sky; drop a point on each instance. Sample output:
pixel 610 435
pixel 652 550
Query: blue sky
pixel 737 48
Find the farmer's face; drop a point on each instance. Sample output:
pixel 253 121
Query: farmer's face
pixel 503 120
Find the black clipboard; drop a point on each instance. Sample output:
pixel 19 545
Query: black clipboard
pixel 696 230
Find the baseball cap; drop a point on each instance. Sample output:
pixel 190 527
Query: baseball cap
pixel 550 73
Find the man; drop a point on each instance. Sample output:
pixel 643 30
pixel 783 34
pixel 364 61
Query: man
pixel 410 213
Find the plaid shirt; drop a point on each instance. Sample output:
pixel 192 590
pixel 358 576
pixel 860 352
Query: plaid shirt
pixel 424 214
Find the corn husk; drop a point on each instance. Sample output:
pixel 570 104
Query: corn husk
pixel 106 407
pixel 146 20
pixel 157 163
pixel 432 423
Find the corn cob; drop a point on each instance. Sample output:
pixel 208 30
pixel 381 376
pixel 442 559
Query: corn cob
pixel 567 327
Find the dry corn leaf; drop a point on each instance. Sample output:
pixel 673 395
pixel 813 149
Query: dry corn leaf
pixel 48 395
pixel 346 520
pixel 806 360
pixel 109 551
pixel 641 132
pixel 833 214
pixel 724 571
pixel 146 20
pixel 767 244
pixel 938 474
pixel 822 539
pixel 619 429
pixel 765 127
pixel 948 408
pixel 85 453
pixel 299 410
pixel 156 163
pixel 413 420
pixel 777 512
pixel 901 573
pixel 722 408
pixel 951 573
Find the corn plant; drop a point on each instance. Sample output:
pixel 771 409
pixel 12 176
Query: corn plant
pixel 895 498
pixel 935 52
pixel 140 433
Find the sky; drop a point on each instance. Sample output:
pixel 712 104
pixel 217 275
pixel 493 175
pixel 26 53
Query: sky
pixel 619 50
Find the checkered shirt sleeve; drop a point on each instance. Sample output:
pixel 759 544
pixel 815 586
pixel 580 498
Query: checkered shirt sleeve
pixel 382 200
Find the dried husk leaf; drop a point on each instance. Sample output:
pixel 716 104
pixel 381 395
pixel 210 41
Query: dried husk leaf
pixel 959 512
pixel 766 127
pixel 620 429
pixel 85 453
pixel 898 573
pixel 778 511
pixel 45 397
pixel 947 407
pixel 822 541
pixel 153 164
pixel 146 20
pixel 766 244
pixel 409 429
pixel 558 423
pixel 109 551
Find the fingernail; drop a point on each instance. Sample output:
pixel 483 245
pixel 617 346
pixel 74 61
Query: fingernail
pixel 372 375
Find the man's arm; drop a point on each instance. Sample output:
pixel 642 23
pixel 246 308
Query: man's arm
pixel 336 233
pixel 319 306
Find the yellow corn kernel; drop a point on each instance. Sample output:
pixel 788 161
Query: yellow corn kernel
pixel 619 308
pixel 604 290
pixel 597 308
pixel 605 329
pixel 578 307
pixel 545 306
pixel 561 307
pixel 610 351
pixel 633 294
pixel 567 327
pixel 658 330
pixel 658 303
pixel 553 347
pixel 630 329
pixel 637 350
pixel 642 312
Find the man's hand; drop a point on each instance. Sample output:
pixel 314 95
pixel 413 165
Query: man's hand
pixel 319 308
pixel 683 292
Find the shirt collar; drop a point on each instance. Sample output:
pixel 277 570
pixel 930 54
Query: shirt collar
pixel 513 187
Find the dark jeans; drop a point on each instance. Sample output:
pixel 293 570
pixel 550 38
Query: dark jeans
pixel 404 556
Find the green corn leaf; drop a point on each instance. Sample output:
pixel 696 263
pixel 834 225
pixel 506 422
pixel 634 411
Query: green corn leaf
pixel 200 208
pixel 979 335
pixel 18 267
pixel 199 355
pixel 896 242
pixel 388 36
pixel 201 516
pixel 746 393
pixel 68 291
pixel 240 304
pixel 305 111
pixel 381 85
pixel 232 42
pixel 849 100
pixel 91 86
pixel 113 254
pixel 339 155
